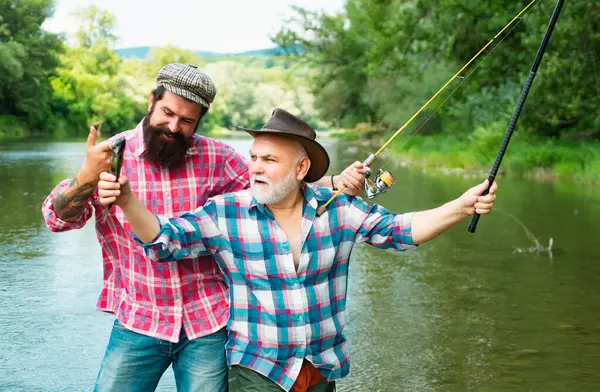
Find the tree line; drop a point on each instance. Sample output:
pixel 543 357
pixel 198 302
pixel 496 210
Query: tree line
pixel 367 69
pixel 55 89
pixel 380 60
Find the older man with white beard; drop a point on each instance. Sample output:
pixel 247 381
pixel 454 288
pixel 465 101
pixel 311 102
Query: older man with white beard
pixel 286 267
pixel 274 193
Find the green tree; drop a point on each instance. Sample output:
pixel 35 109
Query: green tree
pixel 566 100
pixel 95 25
pixel 379 60
pixel 247 94
pixel 335 47
pixel 164 55
pixel 90 86
pixel 28 57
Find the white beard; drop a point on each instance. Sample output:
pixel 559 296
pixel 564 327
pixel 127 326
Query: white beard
pixel 274 193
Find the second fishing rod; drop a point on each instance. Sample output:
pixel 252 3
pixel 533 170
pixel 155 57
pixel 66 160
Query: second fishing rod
pixel 382 180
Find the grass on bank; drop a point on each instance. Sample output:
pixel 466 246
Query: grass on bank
pixel 474 153
pixel 11 128
pixel 529 157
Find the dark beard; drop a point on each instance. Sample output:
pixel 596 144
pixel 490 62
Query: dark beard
pixel 164 151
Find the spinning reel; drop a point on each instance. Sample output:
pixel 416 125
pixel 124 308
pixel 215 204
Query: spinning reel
pixel 381 182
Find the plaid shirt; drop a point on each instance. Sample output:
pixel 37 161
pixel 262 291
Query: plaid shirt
pixel 280 316
pixel 156 299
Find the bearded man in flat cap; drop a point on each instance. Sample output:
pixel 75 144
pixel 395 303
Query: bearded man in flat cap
pixel 172 313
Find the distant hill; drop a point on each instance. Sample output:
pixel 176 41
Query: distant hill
pixel 141 52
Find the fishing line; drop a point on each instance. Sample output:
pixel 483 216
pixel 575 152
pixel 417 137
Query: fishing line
pixel 383 180
pixel 463 79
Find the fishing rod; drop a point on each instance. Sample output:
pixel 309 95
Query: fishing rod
pixel 383 179
pixel 513 121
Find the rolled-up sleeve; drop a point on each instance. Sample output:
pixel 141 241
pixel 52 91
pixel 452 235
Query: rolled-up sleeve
pixel 53 222
pixel 378 227
pixel 189 235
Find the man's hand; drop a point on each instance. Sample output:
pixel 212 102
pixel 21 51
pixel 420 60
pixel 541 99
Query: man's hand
pixel 97 159
pixel 110 191
pixel 352 178
pixel 143 222
pixel 473 202
pixel 70 203
pixel 426 225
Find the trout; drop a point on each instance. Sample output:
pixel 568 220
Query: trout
pixel 116 163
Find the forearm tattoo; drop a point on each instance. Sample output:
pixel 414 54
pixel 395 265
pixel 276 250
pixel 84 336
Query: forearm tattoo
pixel 70 203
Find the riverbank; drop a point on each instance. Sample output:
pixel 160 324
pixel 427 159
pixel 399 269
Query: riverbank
pixel 219 133
pixel 544 160
pixel 550 160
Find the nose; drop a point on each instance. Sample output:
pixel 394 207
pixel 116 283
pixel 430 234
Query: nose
pixel 174 125
pixel 255 168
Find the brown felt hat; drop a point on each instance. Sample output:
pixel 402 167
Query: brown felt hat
pixel 285 123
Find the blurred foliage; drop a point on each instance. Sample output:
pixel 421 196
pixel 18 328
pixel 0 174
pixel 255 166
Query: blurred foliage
pixel 60 89
pixel 365 70
pixel 90 85
pixel 380 60
pixel 28 59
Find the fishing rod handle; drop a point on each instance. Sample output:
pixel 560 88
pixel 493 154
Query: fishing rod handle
pixel 475 219
pixel 473 224
pixel 370 159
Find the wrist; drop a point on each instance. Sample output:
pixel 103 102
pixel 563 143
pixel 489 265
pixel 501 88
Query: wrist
pixel 86 176
pixel 125 202
pixel 333 187
pixel 458 209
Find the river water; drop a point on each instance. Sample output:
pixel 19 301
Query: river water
pixel 466 312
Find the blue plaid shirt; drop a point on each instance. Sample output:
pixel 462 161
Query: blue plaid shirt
pixel 279 316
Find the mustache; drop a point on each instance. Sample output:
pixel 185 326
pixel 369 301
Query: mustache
pixel 153 135
pixel 257 177
pixel 167 132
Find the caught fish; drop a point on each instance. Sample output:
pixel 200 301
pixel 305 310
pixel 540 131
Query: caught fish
pixel 116 163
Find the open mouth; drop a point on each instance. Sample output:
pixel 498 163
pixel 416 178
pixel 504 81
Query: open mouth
pixel 259 181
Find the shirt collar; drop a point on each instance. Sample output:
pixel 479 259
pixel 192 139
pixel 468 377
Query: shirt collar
pixel 139 140
pixel 141 145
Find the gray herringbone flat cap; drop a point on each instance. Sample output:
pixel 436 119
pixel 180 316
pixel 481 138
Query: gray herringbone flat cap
pixel 188 82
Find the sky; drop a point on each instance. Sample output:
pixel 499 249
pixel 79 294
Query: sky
pixel 224 26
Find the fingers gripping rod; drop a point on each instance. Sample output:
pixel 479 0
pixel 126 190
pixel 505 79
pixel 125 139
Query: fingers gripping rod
pixel 381 183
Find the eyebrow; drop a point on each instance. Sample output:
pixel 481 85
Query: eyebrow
pixel 266 156
pixel 191 119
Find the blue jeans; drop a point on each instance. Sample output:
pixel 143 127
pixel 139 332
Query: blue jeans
pixel 135 362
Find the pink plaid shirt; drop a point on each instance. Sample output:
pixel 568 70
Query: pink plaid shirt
pixel 147 297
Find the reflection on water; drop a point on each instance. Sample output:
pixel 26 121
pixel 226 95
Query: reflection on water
pixel 463 313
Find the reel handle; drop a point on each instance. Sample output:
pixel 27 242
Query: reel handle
pixel 368 162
